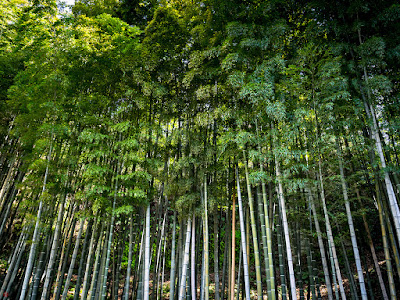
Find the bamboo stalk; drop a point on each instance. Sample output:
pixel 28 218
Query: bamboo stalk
pixel 93 285
pixel 128 270
pixel 40 269
pixel 351 227
pixel 73 259
pixel 286 231
pixel 163 269
pixel 233 246
pixel 146 283
pixel 243 239
pixel 205 245
pixel 282 273
pixel 185 261
pixel 89 261
pixel 173 263
pixel 36 235
pixel 321 245
pixel 392 289
pixel 216 268
pixel 254 231
pixel 14 263
pixel 63 262
pixel 331 242
pixel 372 248
pixel 193 259
pixel 89 233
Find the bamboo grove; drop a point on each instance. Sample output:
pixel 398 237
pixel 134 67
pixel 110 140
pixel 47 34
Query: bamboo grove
pixel 199 149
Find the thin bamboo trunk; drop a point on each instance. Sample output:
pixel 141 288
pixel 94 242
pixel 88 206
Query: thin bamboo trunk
pixel 157 239
pixel 89 261
pixel 40 269
pixel 216 261
pixel 160 245
pixel 63 263
pixel 372 248
pixel 185 261
pixel 199 255
pixel 14 263
pixel 205 245
pixel 188 294
pixel 89 233
pixel 225 262
pixel 311 275
pixel 269 241
pixel 99 282
pixel 247 221
pixel 93 284
pixel 395 249
pixel 15 271
pixel 139 267
pixel 117 264
pixel 173 263
pixel 351 227
pixel 32 283
pixel 253 231
pixel 353 287
pixel 371 245
pixel 264 243
pixel 233 246
pixel 35 238
pixel 163 269
pixel 73 259
pixel 202 275
pixel 394 207
pixel 243 239
pixel 128 270
pixel 282 273
pixel 7 181
pixel 298 251
pixel 4 216
pixel 392 288
pixel 193 259
pixel 315 270
pixel 110 238
pixel 12 259
pixel 286 231
pixel 329 232
pixel 146 281
pixel 139 294
pixel 334 280
pixel 321 245
pixel 224 269
pixel 239 275
pixel 179 256
pixel 371 291
pixel 228 251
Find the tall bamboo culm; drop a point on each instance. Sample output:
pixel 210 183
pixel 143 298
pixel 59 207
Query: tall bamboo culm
pixel 243 238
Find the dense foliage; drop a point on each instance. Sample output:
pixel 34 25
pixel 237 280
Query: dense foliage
pixel 210 149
